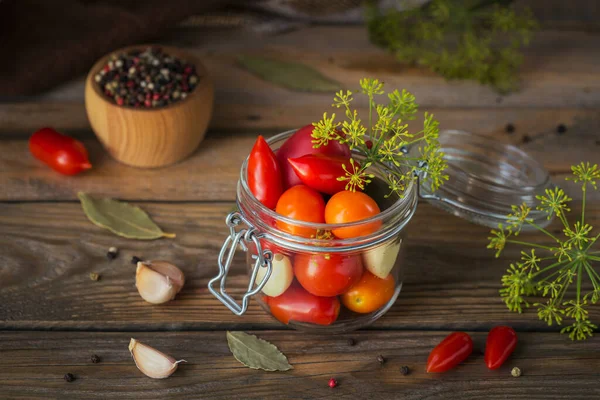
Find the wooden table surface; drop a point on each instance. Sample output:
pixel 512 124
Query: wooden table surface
pixel 53 317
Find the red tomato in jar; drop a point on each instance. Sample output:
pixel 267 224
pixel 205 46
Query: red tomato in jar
pixel 348 206
pixel 299 144
pixel 301 203
pixel 369 294
pixel 327 274
pixel 321 172
pixel 264 174
pixel 296 304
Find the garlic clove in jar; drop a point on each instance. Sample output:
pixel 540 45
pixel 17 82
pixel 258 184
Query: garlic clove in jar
pixel 380 260
pixel 281 277
pixel 153 363
pixel 158 281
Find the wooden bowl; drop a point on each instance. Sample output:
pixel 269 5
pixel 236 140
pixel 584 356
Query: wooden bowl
pixel 152 137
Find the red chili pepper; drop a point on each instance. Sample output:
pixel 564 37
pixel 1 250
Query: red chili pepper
pixel 321 172
pixel 300 144
pixel 264 174
pixel 451 351
pixel 501 342
pixel 62 153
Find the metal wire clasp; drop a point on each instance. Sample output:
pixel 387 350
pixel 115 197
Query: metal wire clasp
pixel 263 260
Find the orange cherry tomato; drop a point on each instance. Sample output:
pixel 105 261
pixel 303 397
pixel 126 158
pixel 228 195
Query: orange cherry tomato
pixel 301 203
pixel 369 294
pixel 348 206
pixel 327 275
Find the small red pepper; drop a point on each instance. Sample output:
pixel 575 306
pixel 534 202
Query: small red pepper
pixel 62 153
pixel 321 172
pixel 501 342
pixel 264 174
pixel 451 351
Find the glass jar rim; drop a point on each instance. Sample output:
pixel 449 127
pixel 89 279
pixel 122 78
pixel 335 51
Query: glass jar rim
pixel 404 207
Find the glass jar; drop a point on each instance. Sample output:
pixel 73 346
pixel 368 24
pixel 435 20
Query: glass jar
pixel 486 179
pixel 258 231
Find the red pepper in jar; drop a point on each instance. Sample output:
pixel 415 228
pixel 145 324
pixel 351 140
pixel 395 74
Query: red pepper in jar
pixel 321 172
pixel 501 342
pixel 450 352
pixel 62 153
pixel 264 174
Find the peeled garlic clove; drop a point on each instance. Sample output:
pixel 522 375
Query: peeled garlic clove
pixel 151 362
pixel 380 260
pixel 281 277
pixel 158 281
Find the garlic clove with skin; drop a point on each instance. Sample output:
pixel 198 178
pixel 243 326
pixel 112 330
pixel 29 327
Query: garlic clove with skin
pixel 158 281
pixel 153 363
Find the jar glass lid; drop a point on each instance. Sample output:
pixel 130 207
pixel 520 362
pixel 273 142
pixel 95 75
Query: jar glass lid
pixel 486 178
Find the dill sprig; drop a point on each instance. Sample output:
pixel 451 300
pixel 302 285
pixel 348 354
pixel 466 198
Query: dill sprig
pixel 550 270
pixel 458 39
pixel 384 138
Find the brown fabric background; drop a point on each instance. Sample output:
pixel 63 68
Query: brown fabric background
pixel 46 42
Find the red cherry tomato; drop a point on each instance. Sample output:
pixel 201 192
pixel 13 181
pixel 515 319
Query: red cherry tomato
pixel 349 206
pixel 264 174
pixel 62 153
pixel 369 294
pixel 296 304
pixel 451 351
pixel 327 274
pixel 301 203
pixel 501 342
pixel 299 144
pixel 321 172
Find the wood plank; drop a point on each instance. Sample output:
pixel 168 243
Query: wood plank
pixel 49 249
pixel 34 363
pixel 211 173
pixel 343 53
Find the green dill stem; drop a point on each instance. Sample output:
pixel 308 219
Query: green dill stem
pixel 592 270
pixel 592 275
pixel 593 257
pixel 556 264
pixel 579 275
pixel 567 284
pixel 536 226
pixel 563 219
pixel 529 244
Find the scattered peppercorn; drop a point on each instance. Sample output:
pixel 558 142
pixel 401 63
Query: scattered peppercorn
pixel 509 128
pixel 95 359
pixel 112 253
pixel 369 144
pixel 516 372
pixel 333 383
pixel 133 79
pixel 404 370
pixel 380 359
pixel 69 377
pixel 94 276
pixel 526 139
pixel 561 128
pixel 351 342
pixel 135 259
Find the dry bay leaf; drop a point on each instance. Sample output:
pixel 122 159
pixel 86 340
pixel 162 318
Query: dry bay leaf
pixel 121 218
pixel 256 353
pixel 291 75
